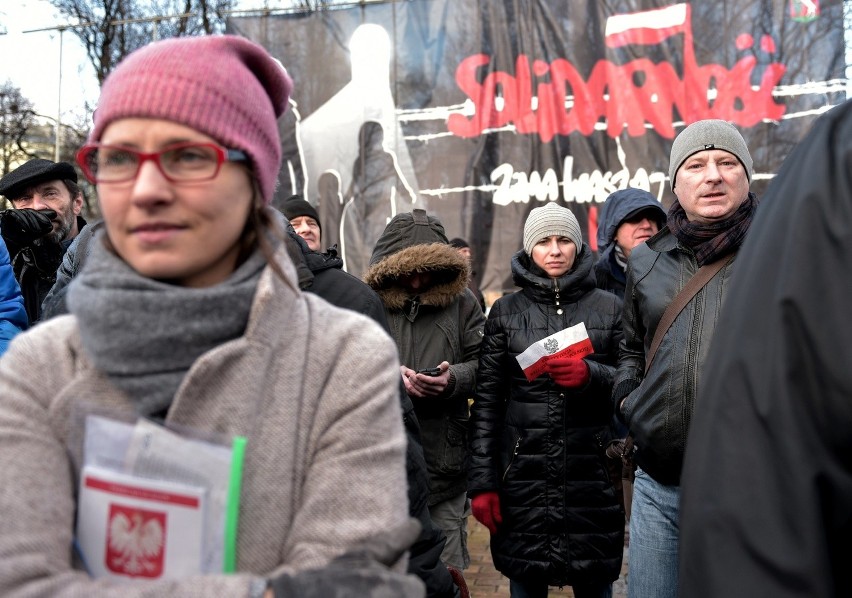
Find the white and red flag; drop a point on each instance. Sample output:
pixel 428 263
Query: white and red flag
pixel 570 342
pixel 648 27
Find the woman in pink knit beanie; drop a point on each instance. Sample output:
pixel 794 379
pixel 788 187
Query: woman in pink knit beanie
pixel 188 314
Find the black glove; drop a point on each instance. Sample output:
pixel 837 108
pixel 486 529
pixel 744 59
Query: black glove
pixel 362 572
pixel 44 259
pixel 21 228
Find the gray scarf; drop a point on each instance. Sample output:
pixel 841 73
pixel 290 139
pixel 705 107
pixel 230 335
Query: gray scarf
pixel 620 258
pixel 145 334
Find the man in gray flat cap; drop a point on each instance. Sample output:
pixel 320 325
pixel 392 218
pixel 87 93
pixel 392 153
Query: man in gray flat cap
pixel 687 265
pixel 45 217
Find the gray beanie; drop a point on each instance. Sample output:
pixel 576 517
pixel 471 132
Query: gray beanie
pixel 706 135
pixel 549 220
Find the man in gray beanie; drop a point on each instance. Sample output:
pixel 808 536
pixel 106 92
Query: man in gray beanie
pixel 657 380
pixel 706 135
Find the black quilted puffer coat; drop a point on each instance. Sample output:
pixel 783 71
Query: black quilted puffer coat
pixel 541 446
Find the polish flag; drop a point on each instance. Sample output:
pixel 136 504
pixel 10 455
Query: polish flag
pixel 648 27
pixel 571 342
pixel 804 9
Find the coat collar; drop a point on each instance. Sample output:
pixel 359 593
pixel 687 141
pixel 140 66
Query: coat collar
pixel 570 286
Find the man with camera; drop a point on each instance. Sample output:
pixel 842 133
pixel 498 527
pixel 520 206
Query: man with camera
pixel 44 218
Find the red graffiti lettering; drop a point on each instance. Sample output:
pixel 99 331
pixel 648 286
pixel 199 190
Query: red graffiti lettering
pixel 627 96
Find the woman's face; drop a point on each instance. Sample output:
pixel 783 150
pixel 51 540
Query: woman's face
pixel 555 255
pixel 187 233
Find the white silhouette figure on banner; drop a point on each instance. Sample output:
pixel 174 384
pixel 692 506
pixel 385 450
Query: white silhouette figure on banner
pixel 332 140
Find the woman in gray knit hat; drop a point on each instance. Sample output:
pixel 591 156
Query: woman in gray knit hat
pixel 538 478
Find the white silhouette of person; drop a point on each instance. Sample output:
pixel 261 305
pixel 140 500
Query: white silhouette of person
pixel 329 136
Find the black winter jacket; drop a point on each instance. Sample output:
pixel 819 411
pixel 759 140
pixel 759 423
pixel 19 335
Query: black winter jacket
pixel 657 271
pixel 35 270
pixel 442 323
pixel 541 446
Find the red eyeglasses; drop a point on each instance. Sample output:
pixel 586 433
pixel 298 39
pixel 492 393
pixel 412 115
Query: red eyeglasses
pixel 182 162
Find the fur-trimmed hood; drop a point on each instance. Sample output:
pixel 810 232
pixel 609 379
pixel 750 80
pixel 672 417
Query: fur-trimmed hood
pixel 411 243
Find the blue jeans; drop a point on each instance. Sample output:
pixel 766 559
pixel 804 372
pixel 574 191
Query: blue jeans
pixel 534 589
pixel 654 539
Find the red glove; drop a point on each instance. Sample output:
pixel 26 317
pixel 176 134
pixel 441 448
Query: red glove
pixel 486 509
pixel 569 372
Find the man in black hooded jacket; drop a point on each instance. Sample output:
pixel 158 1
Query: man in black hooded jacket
pixel 322 274
pixel 437 325
pixel 628 217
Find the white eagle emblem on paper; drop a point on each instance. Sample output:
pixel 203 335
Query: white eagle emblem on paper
pixel 135 541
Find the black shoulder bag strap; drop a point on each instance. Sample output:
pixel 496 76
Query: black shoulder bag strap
pixel 695 284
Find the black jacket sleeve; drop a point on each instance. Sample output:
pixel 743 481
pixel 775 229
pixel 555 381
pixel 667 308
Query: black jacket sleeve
pixel 486 415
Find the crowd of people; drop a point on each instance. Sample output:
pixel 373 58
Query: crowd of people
pixel 681 380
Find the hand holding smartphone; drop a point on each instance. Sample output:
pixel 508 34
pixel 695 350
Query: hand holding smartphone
pixel 430 371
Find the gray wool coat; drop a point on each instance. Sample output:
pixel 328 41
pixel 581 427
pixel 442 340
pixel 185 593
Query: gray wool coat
pixel 312 387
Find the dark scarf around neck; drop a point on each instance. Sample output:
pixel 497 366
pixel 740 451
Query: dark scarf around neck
pixel 712 241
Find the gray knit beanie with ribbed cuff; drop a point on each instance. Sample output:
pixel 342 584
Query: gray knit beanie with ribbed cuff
pixel 549 220
pixel 707 135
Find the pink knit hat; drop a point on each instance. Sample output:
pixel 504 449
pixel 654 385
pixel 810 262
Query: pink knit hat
pixel 223 86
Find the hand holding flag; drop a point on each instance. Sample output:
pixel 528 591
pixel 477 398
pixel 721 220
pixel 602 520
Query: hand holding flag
pixel 570 372
pixel 572 342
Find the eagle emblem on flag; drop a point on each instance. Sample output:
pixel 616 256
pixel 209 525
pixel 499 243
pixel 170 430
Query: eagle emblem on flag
pixel 570 342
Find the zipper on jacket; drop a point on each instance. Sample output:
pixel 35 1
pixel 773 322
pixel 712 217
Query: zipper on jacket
pixel 512 460
pixel 556 290
pixel 688 403
pixel 414 307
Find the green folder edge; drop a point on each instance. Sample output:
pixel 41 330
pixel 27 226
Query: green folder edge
pixel 232 512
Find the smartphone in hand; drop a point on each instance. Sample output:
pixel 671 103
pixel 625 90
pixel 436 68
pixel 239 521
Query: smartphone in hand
pixel 430 372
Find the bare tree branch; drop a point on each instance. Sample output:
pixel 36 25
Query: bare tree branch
pixel 16 119
pixel 112 29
